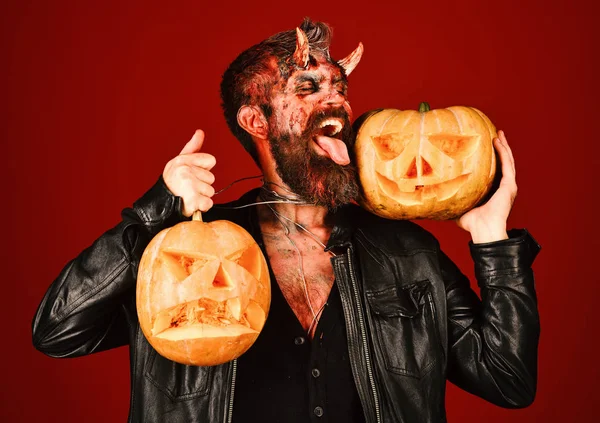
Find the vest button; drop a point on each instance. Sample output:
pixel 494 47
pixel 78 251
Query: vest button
pixel 299 340
pixel 318 411
pixel 316 373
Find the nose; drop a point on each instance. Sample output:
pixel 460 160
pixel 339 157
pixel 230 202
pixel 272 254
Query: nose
pixel 334 98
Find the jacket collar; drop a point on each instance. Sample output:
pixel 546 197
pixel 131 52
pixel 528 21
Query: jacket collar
pixel 341 234
pixel 343 228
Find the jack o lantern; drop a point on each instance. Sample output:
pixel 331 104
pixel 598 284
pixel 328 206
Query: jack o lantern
pixel 203 292
pixel 426 164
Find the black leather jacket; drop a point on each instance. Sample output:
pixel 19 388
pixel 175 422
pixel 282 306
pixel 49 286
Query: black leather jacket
pixel 412 320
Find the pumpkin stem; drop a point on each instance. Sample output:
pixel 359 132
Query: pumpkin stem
pixel 424 107
pixel 197 216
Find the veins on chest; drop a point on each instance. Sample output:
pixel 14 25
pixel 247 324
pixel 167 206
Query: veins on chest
pixel 303 272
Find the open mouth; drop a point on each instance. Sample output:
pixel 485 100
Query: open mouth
pixel 328 140
pixel 330 127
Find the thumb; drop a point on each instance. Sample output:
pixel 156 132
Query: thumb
pixel 195 143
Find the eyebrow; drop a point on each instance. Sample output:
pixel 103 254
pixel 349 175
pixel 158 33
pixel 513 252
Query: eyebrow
pixel 318 79
pixel 339 79
pixel 308 78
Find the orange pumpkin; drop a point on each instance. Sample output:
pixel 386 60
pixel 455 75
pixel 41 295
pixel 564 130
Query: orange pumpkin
pixel 426 164
pixel 203 292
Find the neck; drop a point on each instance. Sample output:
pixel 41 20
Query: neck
pixel 311 217
pixel 291 208
pixel 304 224
pixel 307 215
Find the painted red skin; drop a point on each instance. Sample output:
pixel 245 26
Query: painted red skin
pixel 291 114
pixel 292 108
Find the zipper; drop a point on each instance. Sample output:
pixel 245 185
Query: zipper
pixel 363 332
pixel 231 392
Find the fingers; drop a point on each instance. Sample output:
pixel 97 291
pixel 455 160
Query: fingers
pixel 199 179
pixel 502 137
pixel 505 155
pixel 201 160
pixel 198 197
pixel 508 163
pixel 202 204
pixel 195 143
pixel 189 176
pixel 194 186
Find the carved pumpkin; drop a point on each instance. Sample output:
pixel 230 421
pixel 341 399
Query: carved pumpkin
pixel 426 164
pixel 203 292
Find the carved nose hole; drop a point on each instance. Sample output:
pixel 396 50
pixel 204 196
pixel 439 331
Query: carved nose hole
pixel 425 167
pixel 222 280
pixel 413 171
pixel 218 283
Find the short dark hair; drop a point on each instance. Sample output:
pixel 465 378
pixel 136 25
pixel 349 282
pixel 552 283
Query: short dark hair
pixel 250 77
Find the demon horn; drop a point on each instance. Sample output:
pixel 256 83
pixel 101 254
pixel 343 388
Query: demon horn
pixel 349 62
pixel 302 49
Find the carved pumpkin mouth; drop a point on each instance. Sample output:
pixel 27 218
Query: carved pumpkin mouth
pixel 414 194
pixel 218 293
pixel 206 318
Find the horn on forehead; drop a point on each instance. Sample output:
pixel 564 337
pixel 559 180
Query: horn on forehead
pixel 302 49
pixel 349 62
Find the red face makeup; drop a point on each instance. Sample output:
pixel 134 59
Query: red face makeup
pixel 310 131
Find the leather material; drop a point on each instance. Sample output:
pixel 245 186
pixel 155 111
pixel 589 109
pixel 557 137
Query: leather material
pixel 411 317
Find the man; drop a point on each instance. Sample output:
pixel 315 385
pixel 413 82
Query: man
pixel 368 317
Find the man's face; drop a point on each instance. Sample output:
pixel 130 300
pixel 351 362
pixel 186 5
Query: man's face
pixel 309 134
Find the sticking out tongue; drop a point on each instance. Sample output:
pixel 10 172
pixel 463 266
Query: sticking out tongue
pixel 335 149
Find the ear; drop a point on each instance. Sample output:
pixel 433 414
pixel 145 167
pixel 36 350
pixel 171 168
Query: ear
pixel 253 121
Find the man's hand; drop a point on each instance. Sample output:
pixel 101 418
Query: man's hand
pixel 188 176
pixel 487 223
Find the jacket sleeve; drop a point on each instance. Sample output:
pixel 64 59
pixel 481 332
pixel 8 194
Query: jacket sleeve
pixel 493 342
pixel 83 310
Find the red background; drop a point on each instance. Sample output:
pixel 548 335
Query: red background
pixel 97 98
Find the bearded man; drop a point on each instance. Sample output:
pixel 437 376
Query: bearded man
pixel 368 317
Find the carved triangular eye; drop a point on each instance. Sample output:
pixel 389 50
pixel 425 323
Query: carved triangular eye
pixel 181 264
pixel 455 146
pixel 235 256
pixel 389 146
pixel 250 260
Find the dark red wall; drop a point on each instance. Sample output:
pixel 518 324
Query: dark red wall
pixel 97 96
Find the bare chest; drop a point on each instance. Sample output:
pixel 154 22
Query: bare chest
pixel 304 274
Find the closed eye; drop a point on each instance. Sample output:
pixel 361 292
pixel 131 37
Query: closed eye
pixel 307 87
pixel 341 88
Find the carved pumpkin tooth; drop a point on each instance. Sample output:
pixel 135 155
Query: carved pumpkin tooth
pixel 235 308
pixel 161 323
pixel 255 316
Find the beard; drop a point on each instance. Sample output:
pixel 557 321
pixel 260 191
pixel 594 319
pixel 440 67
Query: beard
pixel 315 178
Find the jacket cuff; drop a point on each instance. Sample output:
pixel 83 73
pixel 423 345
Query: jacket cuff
pixel 513 254
pixel 159 208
